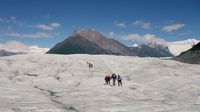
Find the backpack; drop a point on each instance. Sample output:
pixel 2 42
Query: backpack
pixel 119 78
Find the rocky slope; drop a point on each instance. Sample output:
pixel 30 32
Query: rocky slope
pixel 89 42
pixel 190 56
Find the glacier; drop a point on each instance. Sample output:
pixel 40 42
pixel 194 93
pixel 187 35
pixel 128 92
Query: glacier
pixel 64 83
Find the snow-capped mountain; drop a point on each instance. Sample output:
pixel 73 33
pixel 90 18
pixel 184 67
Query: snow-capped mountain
pixel 151 50
pixel 134 45
pixel 180 46
pixel 8 53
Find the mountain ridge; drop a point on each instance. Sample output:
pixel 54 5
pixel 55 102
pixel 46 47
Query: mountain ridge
pixel 89 41
pixel 9 53
pixel 191 56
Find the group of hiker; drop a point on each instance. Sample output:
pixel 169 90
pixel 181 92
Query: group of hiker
pixel 114 77
pixel 90 65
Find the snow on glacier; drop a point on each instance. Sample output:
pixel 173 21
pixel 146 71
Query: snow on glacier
pixel 64 83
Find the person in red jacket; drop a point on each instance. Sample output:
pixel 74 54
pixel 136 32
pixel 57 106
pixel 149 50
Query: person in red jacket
pixel 108 79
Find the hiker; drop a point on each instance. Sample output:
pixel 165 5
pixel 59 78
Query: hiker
pixel 90 65
pixel 113 78
pixel 119 79
pixel 106 79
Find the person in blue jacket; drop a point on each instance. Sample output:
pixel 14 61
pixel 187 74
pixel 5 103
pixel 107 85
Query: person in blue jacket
pixel 119 79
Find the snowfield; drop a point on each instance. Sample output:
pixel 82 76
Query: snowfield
pixel 177 47
pixel 64 83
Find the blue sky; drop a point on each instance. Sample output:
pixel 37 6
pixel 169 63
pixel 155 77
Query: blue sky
pixel 46 22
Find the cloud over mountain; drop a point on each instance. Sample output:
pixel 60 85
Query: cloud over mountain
pixel 142 24
pixel 174 27
pixel 16 46
pixel 31 35
pixel 147 38
pixel 120 24
pixel 51 26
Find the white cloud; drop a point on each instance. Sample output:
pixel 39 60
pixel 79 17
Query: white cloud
pixel 142 24
pixel 134 45
pixel 33 35
pixel 173 27
pixel 44 27
pixel 55 25
pixel 16 46
pixel 120 24
pixel 52 26
pixel 13 18
pixel 4 20
pixel 147 38
pixel 111 34
pixel 36 49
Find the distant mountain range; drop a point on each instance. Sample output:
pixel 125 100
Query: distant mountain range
pixel 89 41
pixel 151 50
pixel 190 56
pixel 8 53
